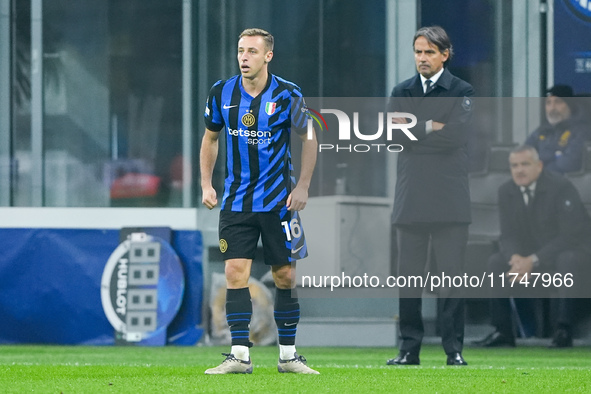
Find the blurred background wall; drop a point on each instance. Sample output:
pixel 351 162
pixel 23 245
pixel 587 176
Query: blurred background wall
pixel 99 91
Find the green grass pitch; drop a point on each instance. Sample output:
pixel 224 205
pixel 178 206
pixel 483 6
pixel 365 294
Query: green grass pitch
pixel 82 369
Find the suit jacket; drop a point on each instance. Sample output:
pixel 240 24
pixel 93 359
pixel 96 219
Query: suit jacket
pixel 555 221
pixel 432 179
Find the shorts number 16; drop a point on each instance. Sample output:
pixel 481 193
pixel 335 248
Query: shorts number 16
pixel 296 230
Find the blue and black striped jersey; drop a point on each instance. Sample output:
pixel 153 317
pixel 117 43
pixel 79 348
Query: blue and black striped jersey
pixel 258 131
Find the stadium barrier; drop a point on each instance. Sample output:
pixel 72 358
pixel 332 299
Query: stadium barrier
pixel 51 276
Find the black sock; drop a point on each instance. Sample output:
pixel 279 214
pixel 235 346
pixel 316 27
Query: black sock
pixel 287 316
pixel 238 314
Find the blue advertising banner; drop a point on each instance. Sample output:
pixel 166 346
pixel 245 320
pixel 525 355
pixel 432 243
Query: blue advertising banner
pixel 572 44
pixel 50 281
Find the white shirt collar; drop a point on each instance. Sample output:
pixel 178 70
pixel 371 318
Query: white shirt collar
pixel 531 187
pixel 433 79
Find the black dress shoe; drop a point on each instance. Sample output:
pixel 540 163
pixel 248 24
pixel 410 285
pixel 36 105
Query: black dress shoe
pixel 562 338
pixel 496 339
pixel 404 358
pixel 456 359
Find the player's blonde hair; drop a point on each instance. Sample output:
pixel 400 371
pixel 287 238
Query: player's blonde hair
pixel 267 37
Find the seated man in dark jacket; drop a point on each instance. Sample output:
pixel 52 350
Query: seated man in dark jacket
pixel 545 228
pixel 560 141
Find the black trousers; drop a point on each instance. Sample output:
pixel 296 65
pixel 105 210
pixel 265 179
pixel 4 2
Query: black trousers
pixel 448 243
pixel 573 262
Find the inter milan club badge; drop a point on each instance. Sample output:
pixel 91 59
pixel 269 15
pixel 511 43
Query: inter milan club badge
pixel 248 119
pixel 223 245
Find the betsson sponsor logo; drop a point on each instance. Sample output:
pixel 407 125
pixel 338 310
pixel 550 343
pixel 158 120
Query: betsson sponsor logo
pixel 255 137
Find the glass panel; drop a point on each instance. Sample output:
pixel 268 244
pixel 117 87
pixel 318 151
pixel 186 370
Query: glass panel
pixel 76 103
pixel 5 99
pixel 145 64
pixel 21 184
pixel 112 124
pixel 482 46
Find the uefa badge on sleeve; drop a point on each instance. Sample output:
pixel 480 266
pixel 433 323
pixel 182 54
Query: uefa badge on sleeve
pixel 467 104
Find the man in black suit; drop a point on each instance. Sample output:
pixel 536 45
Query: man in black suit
pixel 432 203
pixel 544 228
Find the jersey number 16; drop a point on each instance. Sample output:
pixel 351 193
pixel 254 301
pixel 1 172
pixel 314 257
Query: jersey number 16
pixel 292 229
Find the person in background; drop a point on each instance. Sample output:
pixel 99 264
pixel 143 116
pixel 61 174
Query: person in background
pixel 560 140
pixel 432 199
pixel 545 228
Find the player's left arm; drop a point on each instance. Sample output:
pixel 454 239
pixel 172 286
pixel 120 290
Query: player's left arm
pixel 298 198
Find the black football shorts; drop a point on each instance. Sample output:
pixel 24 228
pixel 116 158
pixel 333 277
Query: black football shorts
pixel 281 233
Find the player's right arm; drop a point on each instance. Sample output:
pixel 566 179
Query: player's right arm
pixel 207 158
